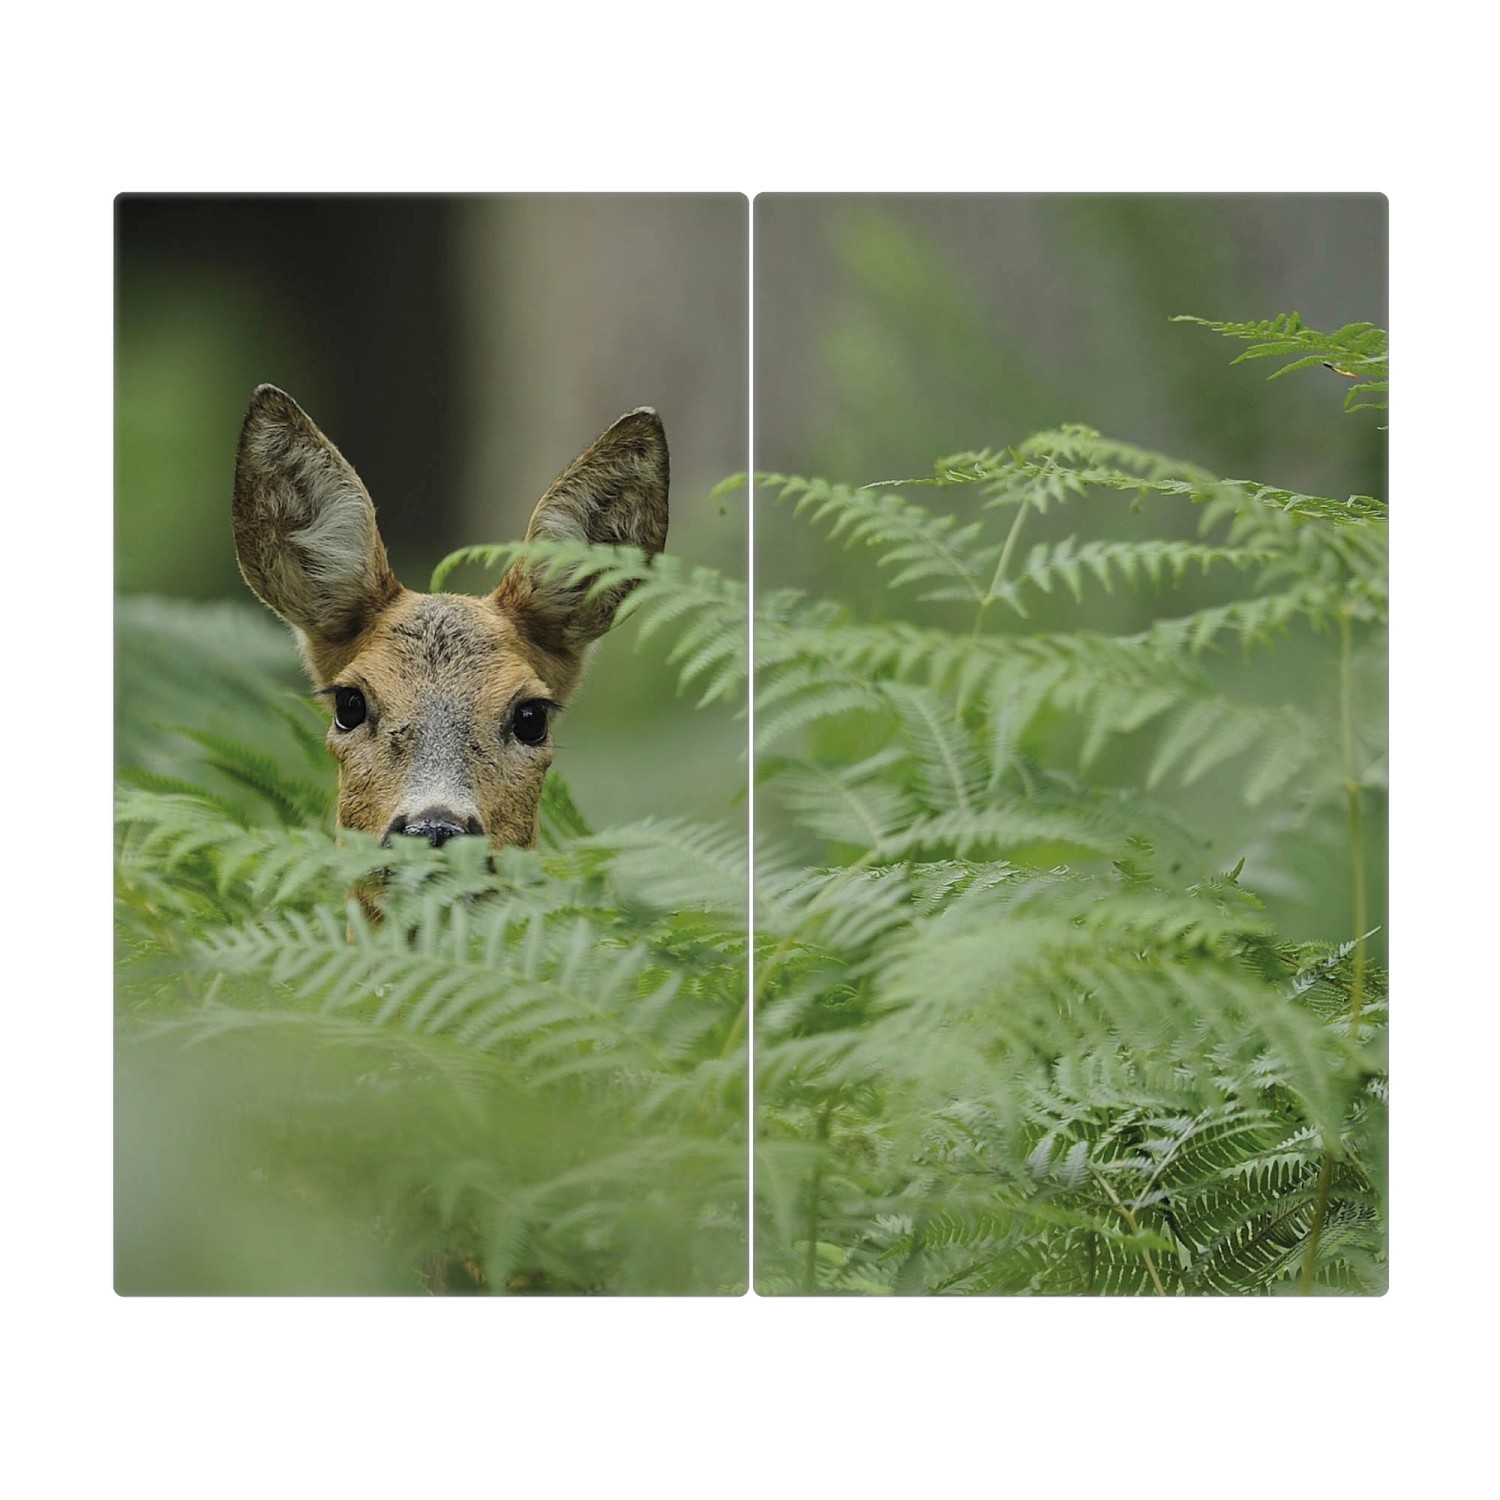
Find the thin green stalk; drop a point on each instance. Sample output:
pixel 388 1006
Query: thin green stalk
pixel 1361 923
pixel 1002 564
pixel 995 582
pixel 1135 1228
pixel 1356 818
pixel 814 1203
pixel 1315 1232
pixel 737 1030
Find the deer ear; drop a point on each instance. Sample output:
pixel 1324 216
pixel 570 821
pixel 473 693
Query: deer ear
pixel 304 527
pixel 614 492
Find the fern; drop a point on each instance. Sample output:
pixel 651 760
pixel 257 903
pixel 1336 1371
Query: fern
pixel 527 1076
pixel 1018 1030
pixel 1358 351
pixel 918 546
pixel 1047 999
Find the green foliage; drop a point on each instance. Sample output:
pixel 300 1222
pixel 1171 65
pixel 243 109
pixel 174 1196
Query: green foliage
pixel 1038 1005
pixel 1358 351
pixel 526 1074
pixel 1017 1028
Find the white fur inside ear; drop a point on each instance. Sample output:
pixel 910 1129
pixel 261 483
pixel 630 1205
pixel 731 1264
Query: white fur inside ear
pixel 340 538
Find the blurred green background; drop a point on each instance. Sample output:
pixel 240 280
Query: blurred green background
pixel 892 330
pixel 460 351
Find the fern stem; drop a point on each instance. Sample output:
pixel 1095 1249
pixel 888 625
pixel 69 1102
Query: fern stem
pixel 814 1203
pixel 1135 1228
pixel 737 1030
pixel 1356 818
pixel 1315 1230
pixel 1361 925
pixel 1002 564
pixel 995 582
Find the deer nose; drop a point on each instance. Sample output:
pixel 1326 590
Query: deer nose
pixel 435 824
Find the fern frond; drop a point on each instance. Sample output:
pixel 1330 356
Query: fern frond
pixel 707 615
pixel 1068 561
pixel 677 865
pixel 1357 351
pixel 933 551
pixel 294 801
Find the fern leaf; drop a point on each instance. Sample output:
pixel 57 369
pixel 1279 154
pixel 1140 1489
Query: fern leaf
pixel 1358 351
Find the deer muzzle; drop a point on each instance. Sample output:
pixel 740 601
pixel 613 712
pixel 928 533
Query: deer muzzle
pixel 435 824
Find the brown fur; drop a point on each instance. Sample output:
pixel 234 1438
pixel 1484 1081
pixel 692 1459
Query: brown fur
pixel 441 674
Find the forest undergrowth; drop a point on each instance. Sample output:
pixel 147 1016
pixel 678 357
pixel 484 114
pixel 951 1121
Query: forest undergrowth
pixel 1017 1032
pixel 1022 1023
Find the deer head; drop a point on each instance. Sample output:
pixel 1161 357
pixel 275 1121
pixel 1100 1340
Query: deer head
pixel 441 703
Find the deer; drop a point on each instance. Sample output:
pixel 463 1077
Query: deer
pixel 442 704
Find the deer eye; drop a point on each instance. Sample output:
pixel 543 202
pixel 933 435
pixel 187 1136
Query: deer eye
pixel 348 708
pixel 529 723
